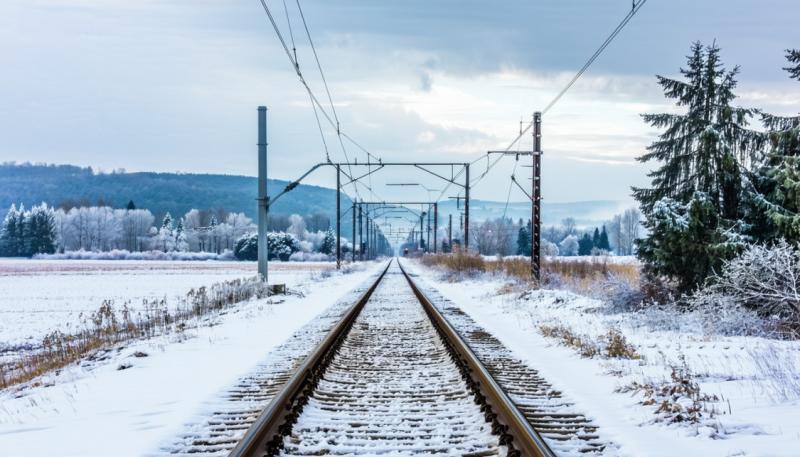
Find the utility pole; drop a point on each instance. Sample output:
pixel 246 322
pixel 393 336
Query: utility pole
pixel 466 211
pixel 421 230
pixel 263 199
pixel 338 218
pixel 536 197
pixel 435 226
pixel 450 231
pixel 428 232
pixel 360 233
pixel 368 226
pixel 353 240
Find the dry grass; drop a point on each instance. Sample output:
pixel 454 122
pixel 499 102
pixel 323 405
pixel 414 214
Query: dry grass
pixel 109 326
pixel 678 399
pixel 612 345
pixel 578 275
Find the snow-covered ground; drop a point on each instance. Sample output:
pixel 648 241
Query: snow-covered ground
pixel 756 380
pixel 96 408
pixel 39 296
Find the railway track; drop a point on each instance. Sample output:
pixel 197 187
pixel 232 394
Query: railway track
pixel 393 375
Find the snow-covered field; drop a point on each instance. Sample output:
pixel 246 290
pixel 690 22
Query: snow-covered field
pixel 756 381
pixel 39 296
pixel 95 408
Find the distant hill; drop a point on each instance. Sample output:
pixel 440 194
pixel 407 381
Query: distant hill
pixel 158 192
pixel 180 192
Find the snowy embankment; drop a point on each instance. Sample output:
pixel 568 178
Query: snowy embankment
pixel 129 400
pixel 40 296
pixel 749 388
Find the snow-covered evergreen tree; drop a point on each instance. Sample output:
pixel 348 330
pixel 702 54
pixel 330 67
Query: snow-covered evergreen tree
pixel 166 235
pixel 585 245
pixel 10 231
pixel 180 237
pixel 776 205
pixel 246 247
pixel 328 245
pixel 523 240
pixel 602 242
pixel 702 154
pixel 40 231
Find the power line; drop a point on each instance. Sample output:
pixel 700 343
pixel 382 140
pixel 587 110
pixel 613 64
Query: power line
pixel 292 56
pixel 635 7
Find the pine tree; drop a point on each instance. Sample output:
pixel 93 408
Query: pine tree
pixel 776 205
pixel 702 154
pixel 603 243
pixel 694 146
pixel 524 241
pixel 8 233
pixel 328 243
pixel 131 206
pixel 40 231
pixel 585 245
pixel 180 237
pixel 167 222
pixel 596 238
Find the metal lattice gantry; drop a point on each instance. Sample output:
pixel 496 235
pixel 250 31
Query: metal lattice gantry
pixel 371 229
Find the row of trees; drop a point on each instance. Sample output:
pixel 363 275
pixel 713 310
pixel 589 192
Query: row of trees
pixel 45 230
pixel 721 185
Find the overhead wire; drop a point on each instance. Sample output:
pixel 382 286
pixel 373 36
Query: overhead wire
pixel 295 64
pixel 635 7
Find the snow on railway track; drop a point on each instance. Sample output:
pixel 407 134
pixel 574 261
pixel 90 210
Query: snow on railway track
pixel 391 373
pixel 567 430
pixel 391 388
pixel 216 432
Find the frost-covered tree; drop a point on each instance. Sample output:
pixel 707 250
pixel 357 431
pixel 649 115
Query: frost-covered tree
pixel 26 233
pixel 763 278
pixel 282 245
pixel 246 247
pixel 10 233
pixel 702 155
pixel 328 245
pixel 165 239
pixel 568 246
pixel 180 237
pixel 39 231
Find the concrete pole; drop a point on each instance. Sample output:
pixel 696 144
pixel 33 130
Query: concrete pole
pixel 428 232
pixel 450 231
pixel 368 248
pixel 435 226
pixel 421 227
pixel 338 218
pixel 263 207
pixel 360 232
pixel 353 240
pixel 466 211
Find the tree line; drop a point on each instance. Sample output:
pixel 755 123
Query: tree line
pixel 47 230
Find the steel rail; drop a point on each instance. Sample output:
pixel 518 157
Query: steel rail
pixel 514 427
pixel 281 412
pixel 265 435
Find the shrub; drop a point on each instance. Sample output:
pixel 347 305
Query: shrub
pixel 246 247
pixel 765 279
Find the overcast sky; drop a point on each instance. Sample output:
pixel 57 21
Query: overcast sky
pixel 172 85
